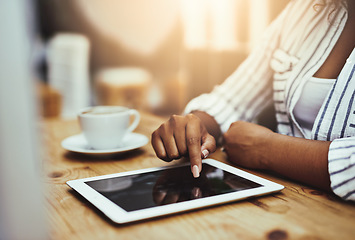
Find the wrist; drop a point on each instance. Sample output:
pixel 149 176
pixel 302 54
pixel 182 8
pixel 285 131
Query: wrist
pixel 210 124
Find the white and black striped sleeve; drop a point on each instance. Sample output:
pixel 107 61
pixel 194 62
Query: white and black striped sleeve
pixel 341 167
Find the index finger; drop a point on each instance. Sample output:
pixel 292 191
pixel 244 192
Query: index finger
pixel 193 142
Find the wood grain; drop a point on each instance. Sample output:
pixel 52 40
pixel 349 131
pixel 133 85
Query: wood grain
pixel 298 212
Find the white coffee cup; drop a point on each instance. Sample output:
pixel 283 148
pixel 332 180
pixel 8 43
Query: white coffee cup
pixel 105 127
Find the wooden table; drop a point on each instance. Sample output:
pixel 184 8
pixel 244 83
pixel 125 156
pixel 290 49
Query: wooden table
pixel 298 212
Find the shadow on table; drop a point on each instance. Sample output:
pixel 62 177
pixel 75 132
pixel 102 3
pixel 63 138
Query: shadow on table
pixel 80 157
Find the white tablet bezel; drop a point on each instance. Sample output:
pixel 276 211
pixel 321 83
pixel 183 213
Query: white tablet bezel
pixel 119 215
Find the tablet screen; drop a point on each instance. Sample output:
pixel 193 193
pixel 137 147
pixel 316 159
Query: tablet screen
pixel 150 189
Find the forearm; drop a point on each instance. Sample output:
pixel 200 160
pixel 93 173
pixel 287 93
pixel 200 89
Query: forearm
pixel 299 159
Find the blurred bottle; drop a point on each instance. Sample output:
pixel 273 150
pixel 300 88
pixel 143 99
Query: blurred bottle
pixel 68 71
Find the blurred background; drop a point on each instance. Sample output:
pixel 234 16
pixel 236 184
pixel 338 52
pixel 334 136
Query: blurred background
pixel 151 55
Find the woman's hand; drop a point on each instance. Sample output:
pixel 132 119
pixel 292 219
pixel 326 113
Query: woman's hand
pixel 183 136
pixel 246 144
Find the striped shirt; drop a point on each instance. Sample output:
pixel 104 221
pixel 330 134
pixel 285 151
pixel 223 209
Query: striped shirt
pixel 293 48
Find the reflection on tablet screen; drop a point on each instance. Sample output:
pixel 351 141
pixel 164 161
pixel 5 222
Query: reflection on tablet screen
pixel 167 186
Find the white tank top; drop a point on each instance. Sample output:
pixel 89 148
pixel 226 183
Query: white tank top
pixel 313 95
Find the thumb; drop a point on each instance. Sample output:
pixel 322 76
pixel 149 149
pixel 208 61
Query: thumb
pixel 208 145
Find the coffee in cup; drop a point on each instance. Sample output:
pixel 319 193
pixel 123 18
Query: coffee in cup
pixel 105 127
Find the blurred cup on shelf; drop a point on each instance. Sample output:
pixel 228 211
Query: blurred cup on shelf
pixel 123 86
pixel 105 127
pixel 68 71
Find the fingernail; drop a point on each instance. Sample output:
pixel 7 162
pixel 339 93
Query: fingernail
pixel 195 171
pixel 205 153
pixel 196 192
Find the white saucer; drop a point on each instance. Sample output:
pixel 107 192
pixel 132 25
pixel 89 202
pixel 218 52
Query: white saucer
pixel 78 143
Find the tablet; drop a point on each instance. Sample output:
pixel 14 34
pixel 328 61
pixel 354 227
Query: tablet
pixel 147 193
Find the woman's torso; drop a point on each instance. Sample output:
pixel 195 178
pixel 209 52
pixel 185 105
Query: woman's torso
pixel 305 48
